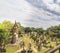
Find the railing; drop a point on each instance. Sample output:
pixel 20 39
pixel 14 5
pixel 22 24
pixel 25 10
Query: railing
pixel 54 49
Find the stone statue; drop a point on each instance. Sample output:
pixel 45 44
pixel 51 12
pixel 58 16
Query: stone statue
pixel 23 51
pixel 29 50
pixel 2 47
pixel 15 33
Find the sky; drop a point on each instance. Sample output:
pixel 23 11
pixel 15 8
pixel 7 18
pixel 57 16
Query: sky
pixel 31 13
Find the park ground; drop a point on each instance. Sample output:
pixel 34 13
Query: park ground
pixel 27 40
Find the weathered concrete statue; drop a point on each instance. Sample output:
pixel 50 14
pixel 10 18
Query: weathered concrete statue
pixel 30 50
pixel 23 51
pixel 2 47
pixel 15 33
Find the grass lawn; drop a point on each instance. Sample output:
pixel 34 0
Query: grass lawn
pixel 11 49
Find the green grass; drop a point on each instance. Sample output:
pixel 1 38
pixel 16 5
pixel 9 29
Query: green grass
pixel 11 49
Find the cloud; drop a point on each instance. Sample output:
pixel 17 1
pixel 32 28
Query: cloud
pixel 57 19
pixel 46 11
pixel 15 9
pixel 57 1
pixel 47 5
pixel 32 13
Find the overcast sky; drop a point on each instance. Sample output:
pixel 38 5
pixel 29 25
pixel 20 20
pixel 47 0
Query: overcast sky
pixel 31 13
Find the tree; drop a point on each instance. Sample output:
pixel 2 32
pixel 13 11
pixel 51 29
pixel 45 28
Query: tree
pixel 5 30
pixel 27 30
pixel 39 31
pixel 54 31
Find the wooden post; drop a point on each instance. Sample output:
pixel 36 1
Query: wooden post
pixel 54 49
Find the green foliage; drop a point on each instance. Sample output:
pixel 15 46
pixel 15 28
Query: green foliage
pixel 27 29
pixel 39 31
pixel 5 29
pixel 54 31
